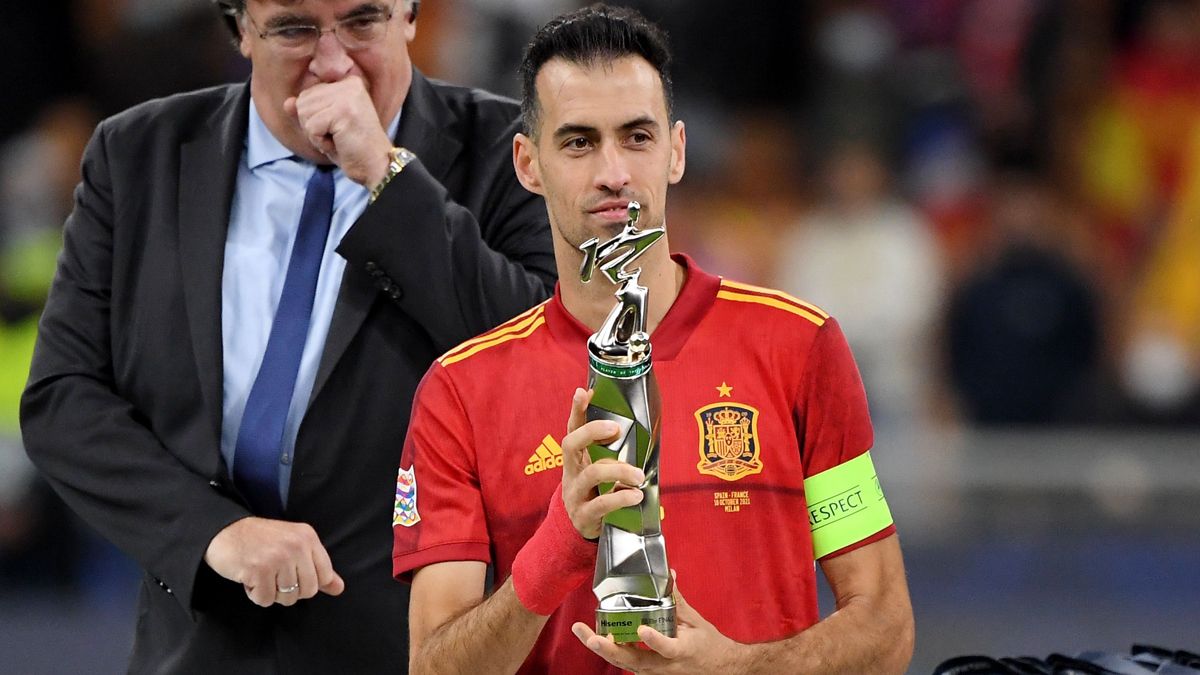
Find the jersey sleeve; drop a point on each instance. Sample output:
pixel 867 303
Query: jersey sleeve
pixel 439 514
pixel 845 502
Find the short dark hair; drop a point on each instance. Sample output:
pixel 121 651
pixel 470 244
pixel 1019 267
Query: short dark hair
pixel 593 35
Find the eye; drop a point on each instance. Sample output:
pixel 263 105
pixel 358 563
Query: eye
pixel 297 33
pixel 578 143
pixel 640 138
pixel 363 25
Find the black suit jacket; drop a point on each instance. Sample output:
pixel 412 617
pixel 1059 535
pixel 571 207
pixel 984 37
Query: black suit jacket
pixel 122 412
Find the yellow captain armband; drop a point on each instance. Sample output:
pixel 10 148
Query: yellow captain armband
pixel 845 505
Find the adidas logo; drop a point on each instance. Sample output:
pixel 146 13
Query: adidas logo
pixel 549 455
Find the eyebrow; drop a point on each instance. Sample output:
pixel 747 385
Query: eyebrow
pixel 574 129
pixel 368 9
pixel 584 129
pixel 287 19
pixel 292 18
pixel 643 121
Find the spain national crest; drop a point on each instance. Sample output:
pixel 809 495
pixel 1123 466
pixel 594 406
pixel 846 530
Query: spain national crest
pixel 728 440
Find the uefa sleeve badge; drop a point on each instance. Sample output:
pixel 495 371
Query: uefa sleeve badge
pixel 405 512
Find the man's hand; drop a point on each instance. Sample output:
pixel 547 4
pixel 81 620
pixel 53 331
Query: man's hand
pixel 340 120
pixel 698 647
pixel 581 477
pixel 268 555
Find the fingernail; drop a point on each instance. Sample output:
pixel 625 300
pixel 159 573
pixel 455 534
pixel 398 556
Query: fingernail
pixel 639 477
pixel 611 427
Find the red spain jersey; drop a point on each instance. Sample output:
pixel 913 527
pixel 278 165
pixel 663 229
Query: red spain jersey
pixel 738 367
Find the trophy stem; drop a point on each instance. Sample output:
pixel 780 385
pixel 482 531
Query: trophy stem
pixel 632 579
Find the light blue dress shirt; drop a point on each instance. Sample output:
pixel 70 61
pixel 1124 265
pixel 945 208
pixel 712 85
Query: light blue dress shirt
pixel 262 228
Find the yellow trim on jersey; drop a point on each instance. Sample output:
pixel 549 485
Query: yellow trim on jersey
pixel 772 302
pixel 778 294
pixel 538 321
pixel 515 324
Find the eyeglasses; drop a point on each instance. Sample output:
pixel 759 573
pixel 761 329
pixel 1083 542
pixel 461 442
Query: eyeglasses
pixel 354 32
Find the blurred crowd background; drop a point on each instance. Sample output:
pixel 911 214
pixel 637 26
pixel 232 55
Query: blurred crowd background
pixel 999 200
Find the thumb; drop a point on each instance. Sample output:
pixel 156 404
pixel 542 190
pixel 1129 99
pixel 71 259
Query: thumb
pixel 334 586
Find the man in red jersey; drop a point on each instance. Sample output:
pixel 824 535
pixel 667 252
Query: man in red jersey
pixel 764 434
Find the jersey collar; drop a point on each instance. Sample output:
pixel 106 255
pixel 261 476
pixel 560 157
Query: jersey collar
pixel 695 298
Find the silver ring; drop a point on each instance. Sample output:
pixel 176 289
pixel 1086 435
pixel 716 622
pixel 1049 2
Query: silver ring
pixel 289 589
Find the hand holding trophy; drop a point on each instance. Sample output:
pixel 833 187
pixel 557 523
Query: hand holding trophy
pixel 632 581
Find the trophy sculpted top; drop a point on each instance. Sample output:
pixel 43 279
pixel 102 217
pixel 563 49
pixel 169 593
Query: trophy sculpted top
pixel 621 347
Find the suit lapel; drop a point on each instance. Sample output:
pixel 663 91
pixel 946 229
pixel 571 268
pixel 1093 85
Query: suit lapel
pixel 427 129
pixel 207 174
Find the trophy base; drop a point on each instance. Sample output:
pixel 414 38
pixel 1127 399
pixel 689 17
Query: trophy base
pixel 622 624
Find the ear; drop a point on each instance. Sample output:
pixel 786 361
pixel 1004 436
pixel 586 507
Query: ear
pixel 526 165
pixel 678 152
pixel 410 21
pixel 244 44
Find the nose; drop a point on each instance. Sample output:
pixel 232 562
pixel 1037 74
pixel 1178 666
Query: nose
pixel 612 173
pixel 330 61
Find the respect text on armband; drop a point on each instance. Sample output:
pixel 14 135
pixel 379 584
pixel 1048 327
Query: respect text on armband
pixel 835 508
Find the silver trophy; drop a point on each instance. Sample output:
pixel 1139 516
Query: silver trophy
pixel 632 581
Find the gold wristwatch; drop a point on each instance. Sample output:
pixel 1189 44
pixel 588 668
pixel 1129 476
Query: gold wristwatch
pixel 399 158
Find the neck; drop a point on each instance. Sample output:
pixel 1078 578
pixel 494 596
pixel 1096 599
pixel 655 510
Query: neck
pixel 590 303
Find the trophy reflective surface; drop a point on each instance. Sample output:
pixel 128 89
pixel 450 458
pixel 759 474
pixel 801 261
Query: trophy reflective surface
pixel 632 580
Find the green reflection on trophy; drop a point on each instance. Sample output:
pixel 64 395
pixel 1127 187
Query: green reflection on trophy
pixel 632 580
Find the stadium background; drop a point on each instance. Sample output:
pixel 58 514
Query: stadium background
pixel 999 199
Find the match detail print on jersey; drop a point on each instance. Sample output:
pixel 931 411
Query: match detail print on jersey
pixel 845 505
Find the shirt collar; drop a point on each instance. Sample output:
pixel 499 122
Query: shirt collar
pixel 262 147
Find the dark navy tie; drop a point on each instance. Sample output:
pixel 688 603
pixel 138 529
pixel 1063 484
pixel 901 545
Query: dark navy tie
pixel 256 458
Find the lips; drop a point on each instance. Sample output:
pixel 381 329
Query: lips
pixel 615 210
pixel 611 204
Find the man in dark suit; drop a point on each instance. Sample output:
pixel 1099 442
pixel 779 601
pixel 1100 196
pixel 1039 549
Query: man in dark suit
pixel 236 431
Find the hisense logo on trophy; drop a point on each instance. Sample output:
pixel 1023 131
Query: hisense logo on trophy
pixel 632 580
